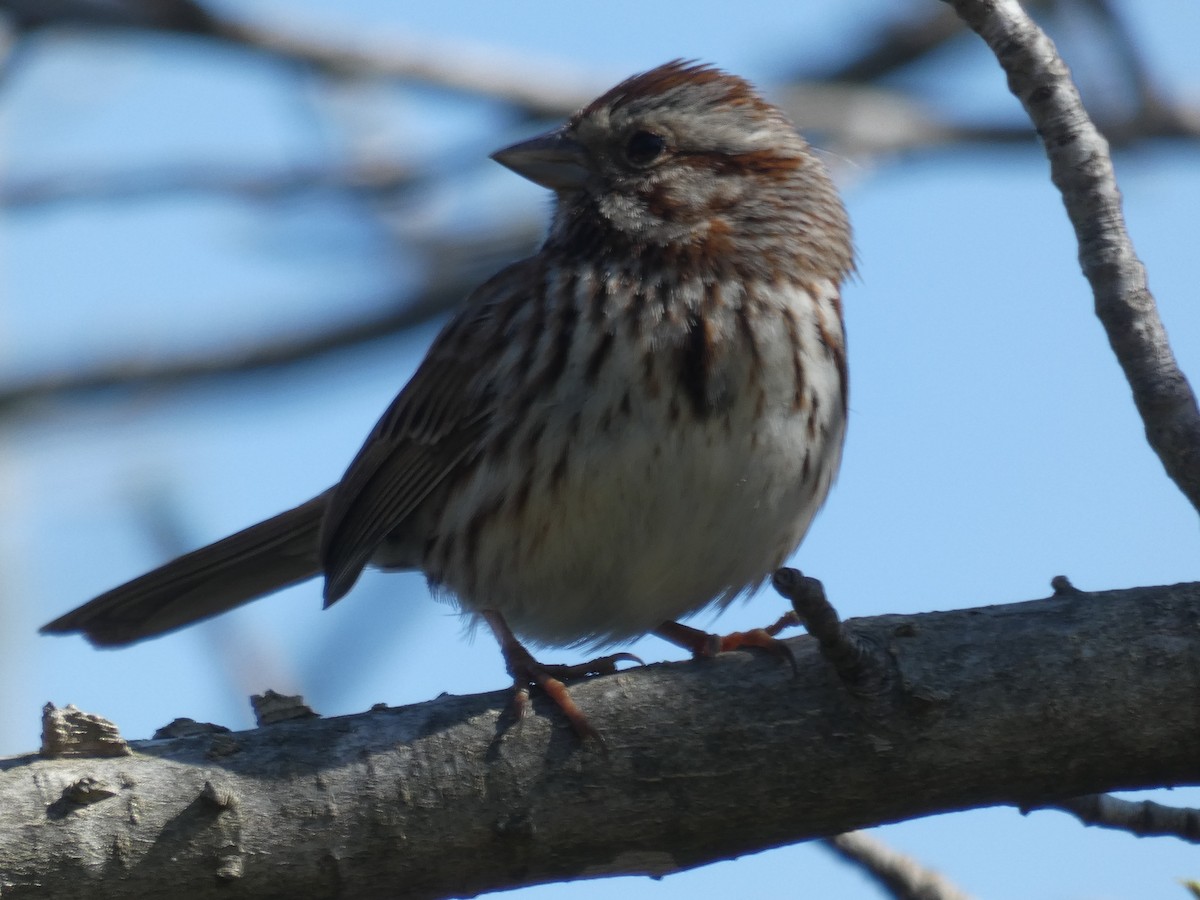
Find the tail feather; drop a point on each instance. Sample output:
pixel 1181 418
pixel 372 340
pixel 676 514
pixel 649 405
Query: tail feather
pixel 259 560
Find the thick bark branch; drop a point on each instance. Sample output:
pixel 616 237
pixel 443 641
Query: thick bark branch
pixel 1023 704
pixel 1082 170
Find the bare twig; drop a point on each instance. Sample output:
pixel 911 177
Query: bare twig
pixel 1144 818
pixel 900 875
pixel 1146 110
pixel 897 44
pixel 1082 170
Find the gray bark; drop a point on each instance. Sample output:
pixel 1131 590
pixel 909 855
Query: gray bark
pixel 1082 170
pixel 1020 704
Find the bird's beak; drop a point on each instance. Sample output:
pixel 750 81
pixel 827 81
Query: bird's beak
pixel 554 160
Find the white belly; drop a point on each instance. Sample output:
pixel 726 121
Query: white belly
pixel 657 513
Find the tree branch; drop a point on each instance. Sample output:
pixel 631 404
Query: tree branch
pixel 1024 704
pixel 901 876
pixel 374 179
pixel 538 90
pixel 1145 818
pixel 1082 170
pixel 460 263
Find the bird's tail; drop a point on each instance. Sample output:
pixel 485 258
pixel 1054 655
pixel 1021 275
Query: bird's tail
pixel 263 558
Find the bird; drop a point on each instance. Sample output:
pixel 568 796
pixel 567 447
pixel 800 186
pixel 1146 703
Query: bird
pixel 635 423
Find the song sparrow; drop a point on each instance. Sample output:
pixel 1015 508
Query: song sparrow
pixel 636 422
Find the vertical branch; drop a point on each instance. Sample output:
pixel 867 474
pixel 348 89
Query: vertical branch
pixel 1082 171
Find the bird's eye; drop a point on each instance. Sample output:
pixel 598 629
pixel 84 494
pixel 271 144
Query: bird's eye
pixel 644 147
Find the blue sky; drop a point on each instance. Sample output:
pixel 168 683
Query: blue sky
pixel 992 440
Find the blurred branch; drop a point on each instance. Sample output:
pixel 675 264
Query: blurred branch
pixel 273 353
pixel 899 43
pixel 854 122
pixel 706 760
pixel 538 90
pixel 902 43
pixel 1153 113
pixel 900 875
pixel 182 16
pixel 457 272
pixel 857 120
pixel 1143 818
pixel 865 122
pixel 544 91
pixel 1082 170
pixel 848 105
pixel 379 178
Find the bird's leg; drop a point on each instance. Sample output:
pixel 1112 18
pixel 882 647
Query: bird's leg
pixel 703 644
pixel 525 670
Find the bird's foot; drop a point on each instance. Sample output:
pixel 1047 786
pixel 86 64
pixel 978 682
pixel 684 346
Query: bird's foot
pixel 703 644
pixel 527 671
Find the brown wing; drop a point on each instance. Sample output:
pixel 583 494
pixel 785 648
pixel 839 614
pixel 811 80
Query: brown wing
pixel 433 429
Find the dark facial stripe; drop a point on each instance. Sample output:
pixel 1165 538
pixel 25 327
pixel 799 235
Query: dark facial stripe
pixel 763 162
